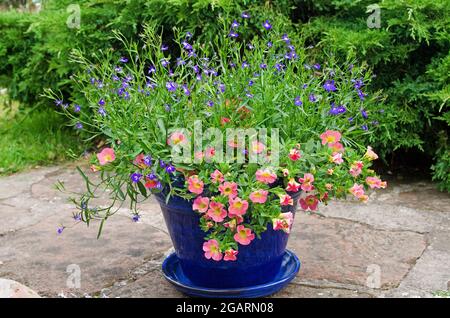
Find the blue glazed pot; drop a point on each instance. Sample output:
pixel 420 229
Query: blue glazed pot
pixel 257 263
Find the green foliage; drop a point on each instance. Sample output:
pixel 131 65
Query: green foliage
pixel 35 138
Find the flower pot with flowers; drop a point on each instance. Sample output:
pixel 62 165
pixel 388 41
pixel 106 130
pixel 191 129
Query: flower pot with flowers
pixel 229 137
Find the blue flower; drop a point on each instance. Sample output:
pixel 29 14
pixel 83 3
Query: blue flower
pixel 317 66
pixel 337 110
pixel 210 103
pixel 267 25
pixel 188 35
pixel 269 44
pixel 245 64
pixel 79 126
pixel 186 90
pixel 136 217
pixel 312 98
pixel 101 102
pixel 60 230
pixel 279 67
pixel 263 66
pixel 164 62
pixel 171 86
pixel 77 216
pixel 180 61
pixel 329 86
pixel 250 83
pixel 364 127
pixel 245 15
pixel 162 164
pixel 118 69
pixel 170 169
pixel 285 38
pixel 58 102
pixel 147 160
pixel 297 101
pixel 123 60
pixel 135 177
pixel 361 95
pixel 76 108
pixel 152 176
pixel 364 113
pixel 186 46
pixel 102 111
pixel 164 47
pixel 235 24
pixel 151 69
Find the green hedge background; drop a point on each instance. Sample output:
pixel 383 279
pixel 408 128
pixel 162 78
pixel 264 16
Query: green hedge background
pixel 409 53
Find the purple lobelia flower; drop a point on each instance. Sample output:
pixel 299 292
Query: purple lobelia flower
pixel 60 229
pixel 76 108
pixel 118 69
pixel 245 15
pixel 188 35
pixel 245 64
pixel 263 66
pixel 317 66
pixel 101 111
pixel 234 24
pixel 210 103
pixel 186 90
pixel 285 38
pixel 329 86
pixel 152 176
pixel 337 110
pixel 151 69
pixel 297 101
pixel 250 83
pixel 361 95
pixel 77 216
pixel 196 69
pixel 79 126
pixel 279 67
pixel 164 47
pixel 364 127
pixel 162 164
pixel 180 61
pixel 222 87
pixel 101 102
pixel 267 25
pixel 170 169
pixel 171 86
pixel 123 60
pixel 135 177
pixel 304 86
pixel 164 63
pixel 186 46
pixel 147 160
pixel 136 217
pixel 58 102
pixel 312 98
pixel 364 113
pixel 269 44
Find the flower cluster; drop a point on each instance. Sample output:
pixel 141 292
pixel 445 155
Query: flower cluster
pixel 145 104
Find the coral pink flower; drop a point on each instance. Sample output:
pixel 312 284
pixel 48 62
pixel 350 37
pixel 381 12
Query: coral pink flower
pixel 230 255
pixel 212 250
pixel 237 207
pixel 231 224
pixel 285 172
pixel 294 154
pixel 259 196
pixel 217 177
pixel 330 137
pixel 106 156
pixel 336 147
pixel 199 156
pixel 210 152
pixel 306 182
pixel 195 185
pixel 310 202
pixel 266 176
pixel 292 185
pixel 286 199
pixel 139 161
pixel 201 204
pixel 216 211
pixel 243 235
pixel 228 189
pixel 176 138
pixel 337 158
pixel 370 154
pixel 283 222
pixel 257 147
pixel 358 191
pixel 356 168
pixel 224 121
pixel 376 183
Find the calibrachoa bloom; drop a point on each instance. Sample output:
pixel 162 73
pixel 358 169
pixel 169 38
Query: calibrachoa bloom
pixel 176 138
pixel 212 250
pixel 259 196
pixel 228 189
pixel 216 211
pixel 230 255
pixel 336 157
pixel 238 207
pixel 292 185
pixel 217 176
pixel 336 147
pixel 376 183
pixel 286 199
pixel 309 203
pixel 195 185
pixel 106 156
pixel 370 154
pixel 358 191
pixel 356 168
pixel 330 137
pixel 257 147
pixel 201 204
pixel 283 222
pixel 266 176
pixel 306 182
pixel 294 154
pixel 243 235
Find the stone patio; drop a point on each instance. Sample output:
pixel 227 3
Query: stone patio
pixel 397 245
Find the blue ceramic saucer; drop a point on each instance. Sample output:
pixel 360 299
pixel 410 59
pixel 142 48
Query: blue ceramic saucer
pixel 174 274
